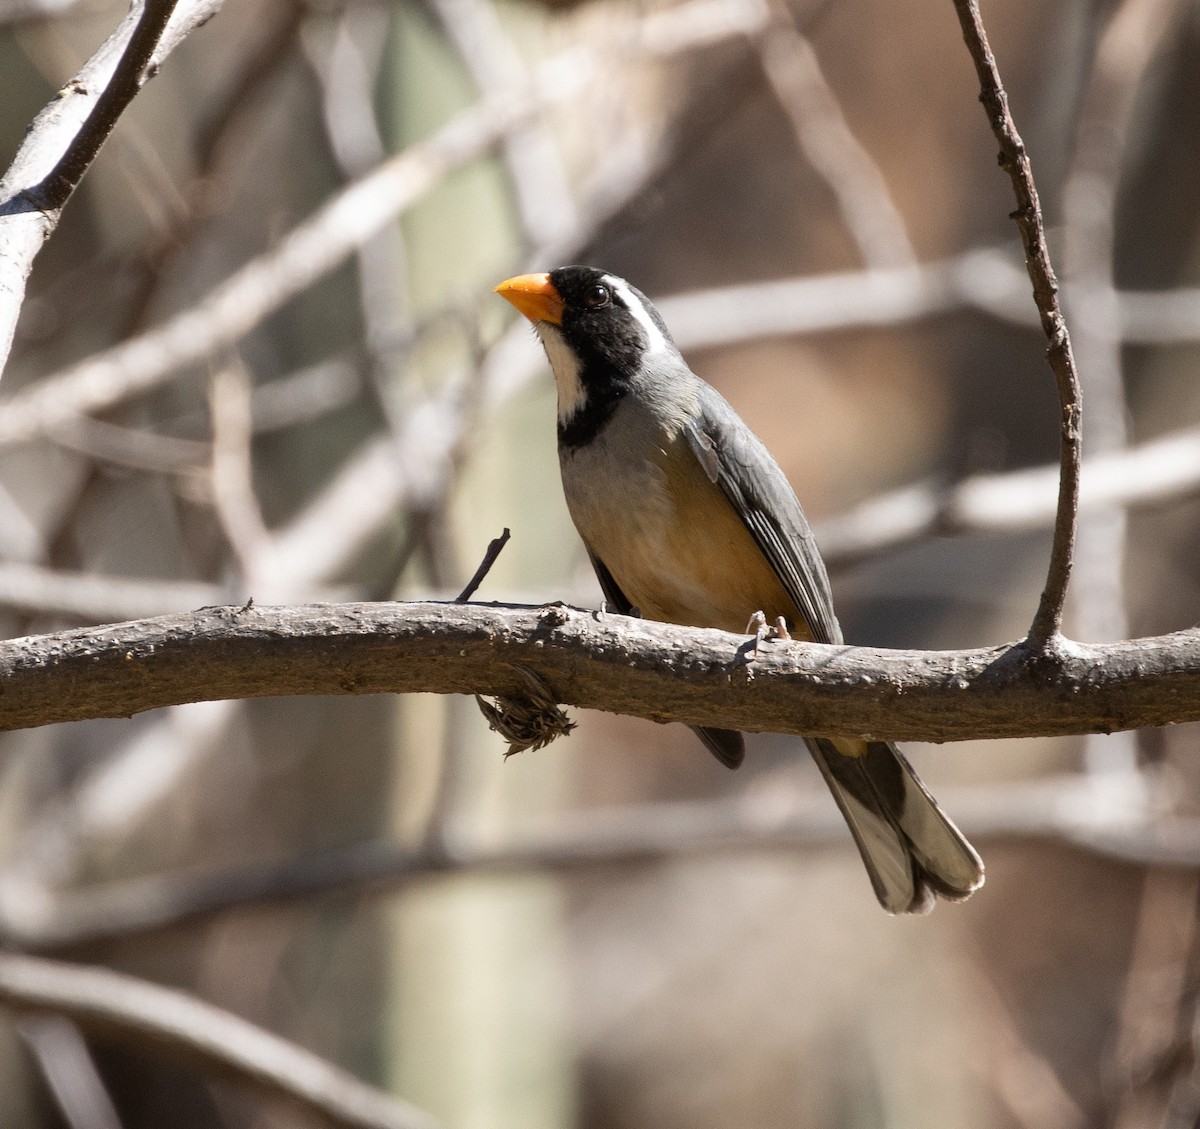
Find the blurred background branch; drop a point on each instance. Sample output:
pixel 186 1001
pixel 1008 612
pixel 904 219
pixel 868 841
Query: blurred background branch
pixel 174 1024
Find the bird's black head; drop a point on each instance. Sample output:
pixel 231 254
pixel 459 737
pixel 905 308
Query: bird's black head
pixel 607 320
pixel 601 335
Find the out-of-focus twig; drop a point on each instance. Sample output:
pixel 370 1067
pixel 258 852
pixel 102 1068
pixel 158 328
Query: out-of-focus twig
pixel 535 171
pixel 347 59
pixel 233 471
pixel 100 599
pixel 66 136
pixel 826 140
pixel 1156 472
pixel 1127 45
pixel 183 1028
pixel 1155 1003
pixel 1055 808
pixel 129 447
pixel 1153 473
pixel 1047 622
pixel 70 1071
pixel 21 11
pixel 1022 1079
pixel 276 33
pixel 356 214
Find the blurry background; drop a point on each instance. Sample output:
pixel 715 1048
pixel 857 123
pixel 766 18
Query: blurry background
pixel 679 946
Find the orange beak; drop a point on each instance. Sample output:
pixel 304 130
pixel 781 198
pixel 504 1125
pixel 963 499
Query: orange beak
pixel 534 295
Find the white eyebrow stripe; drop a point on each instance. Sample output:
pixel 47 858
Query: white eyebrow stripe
pixel 655 341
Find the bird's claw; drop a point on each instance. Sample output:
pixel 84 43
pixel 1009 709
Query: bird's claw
pixel 761 630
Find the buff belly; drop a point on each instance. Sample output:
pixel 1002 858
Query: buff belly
pixel 671 538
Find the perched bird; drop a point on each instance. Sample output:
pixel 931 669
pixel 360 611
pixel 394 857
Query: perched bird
pixel 688 519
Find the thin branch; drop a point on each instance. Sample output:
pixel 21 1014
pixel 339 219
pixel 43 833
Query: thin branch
pixel 826 140
pixel 1154 473
pixel 100 599
pixel 233 471
pixel 66 135
pixel 1047 622
pixel 319 244
pixel 128 78
pixel 181 1027
pixel 663 672
pixel 531 159
pixel 71 1076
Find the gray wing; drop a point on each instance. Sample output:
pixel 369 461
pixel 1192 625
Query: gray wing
pixel 737 461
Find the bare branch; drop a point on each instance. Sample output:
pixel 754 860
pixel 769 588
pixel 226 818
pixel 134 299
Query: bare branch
pixel 1161 470
pixel 233 471
pixel 539 181
pixel 826 140
pixel 71 1076
pixel 1061 808
pixel 127 79
pixel 658 671
pixel 100 599
pixel 181 1027
pixel 65 137
pixel 1047 622
pixel 316 246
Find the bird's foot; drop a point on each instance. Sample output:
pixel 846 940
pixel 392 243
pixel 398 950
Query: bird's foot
pixel 762 631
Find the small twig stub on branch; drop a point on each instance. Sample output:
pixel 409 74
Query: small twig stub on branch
pixel 494 549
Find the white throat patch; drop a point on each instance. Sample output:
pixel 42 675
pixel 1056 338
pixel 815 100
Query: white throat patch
pixel 565 366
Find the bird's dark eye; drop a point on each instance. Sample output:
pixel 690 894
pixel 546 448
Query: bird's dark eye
pixel 596 296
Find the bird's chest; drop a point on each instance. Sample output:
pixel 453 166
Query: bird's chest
pixel 668 535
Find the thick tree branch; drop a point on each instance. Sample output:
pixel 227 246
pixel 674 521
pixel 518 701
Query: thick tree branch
pixel 1047 621
pixel 181 1027
pixel 658 671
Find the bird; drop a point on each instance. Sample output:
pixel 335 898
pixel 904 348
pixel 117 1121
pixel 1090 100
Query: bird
pixel 688 519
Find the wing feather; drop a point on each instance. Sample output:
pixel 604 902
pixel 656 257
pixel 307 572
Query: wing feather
pixel 736 460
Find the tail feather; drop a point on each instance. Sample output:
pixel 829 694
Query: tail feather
pixel 912 851
pixel 727 745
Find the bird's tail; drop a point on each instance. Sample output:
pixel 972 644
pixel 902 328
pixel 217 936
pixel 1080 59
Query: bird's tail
pixel 912 851
pixel 727 745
